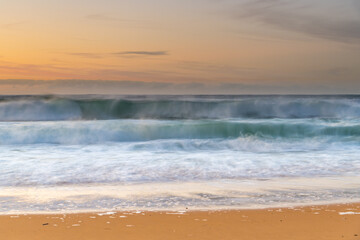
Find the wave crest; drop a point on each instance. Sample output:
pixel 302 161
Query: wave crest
pixel 50 108
pixel 92 132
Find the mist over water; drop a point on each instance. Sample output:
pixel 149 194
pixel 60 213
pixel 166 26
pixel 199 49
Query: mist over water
pixel 231 144
pixel 52 108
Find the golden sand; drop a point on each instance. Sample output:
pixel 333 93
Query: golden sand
pixel 328 222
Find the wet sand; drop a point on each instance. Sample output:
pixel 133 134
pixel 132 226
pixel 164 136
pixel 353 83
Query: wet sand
pixel 328 222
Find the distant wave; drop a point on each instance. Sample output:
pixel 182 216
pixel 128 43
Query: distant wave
pixel 53 108
pixel 91 132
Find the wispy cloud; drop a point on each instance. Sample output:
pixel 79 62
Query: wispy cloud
pixel 9 68
pixel 319 19
pixel 142 53
pixel 66 71
pixel 122 54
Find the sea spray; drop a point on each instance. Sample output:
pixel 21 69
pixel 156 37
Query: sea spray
pixel 102 152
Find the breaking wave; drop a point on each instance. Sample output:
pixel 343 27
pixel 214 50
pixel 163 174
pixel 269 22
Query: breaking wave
pixel 51 108
pixel 92 132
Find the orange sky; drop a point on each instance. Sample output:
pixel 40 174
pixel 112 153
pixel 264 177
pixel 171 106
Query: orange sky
pixel 253 43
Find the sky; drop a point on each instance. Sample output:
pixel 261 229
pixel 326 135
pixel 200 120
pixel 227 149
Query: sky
pixel 180 47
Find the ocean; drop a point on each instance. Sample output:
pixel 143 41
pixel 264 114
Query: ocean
pixel 94 152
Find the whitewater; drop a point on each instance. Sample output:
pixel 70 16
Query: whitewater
pixel 92 152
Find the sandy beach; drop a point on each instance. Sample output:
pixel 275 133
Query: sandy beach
pixel 328 222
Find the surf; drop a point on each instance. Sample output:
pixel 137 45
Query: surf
pixel 97 132
pixel 58 108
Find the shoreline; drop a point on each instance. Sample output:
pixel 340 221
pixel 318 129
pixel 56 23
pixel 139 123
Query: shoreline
pixel 330 222
pixel 189 209
pixel 174 196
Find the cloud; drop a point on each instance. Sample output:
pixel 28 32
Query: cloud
pixel 10 68
pixel 321 19
pixel 142 53
pixel 79 86
pixel 124 54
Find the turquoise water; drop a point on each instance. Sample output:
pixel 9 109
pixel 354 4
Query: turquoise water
pixel 165 152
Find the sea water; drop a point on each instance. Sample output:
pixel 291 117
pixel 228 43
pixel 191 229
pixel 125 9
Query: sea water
pixel 85 153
